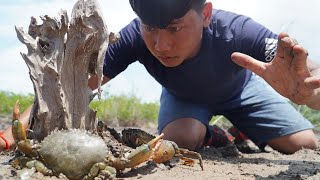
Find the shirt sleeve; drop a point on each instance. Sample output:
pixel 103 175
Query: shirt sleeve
pixel 124 52
pixel 255 40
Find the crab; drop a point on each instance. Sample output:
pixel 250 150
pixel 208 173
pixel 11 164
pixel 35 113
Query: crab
pixel 163 151
pixel 80 154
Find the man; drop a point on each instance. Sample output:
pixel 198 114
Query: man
pixel 189 48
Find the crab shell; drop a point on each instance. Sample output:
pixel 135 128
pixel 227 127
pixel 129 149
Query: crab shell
pixel 135 137
pixel 72 152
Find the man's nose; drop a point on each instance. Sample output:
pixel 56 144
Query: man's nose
pixel 162 42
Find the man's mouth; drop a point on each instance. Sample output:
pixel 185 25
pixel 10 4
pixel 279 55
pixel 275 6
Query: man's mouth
pixel 166 58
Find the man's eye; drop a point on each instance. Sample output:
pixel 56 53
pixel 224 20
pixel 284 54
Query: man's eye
pixel 149 29
pixel 175 29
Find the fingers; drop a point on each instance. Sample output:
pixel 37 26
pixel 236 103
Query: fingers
pixel 313 82
pixel 285 47
pixel 280 49
pixel 300 59
pixel 248 62
pixel 290 51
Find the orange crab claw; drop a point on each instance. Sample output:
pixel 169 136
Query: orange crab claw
pixel 16 111
pixel 18 131
pixel 142 153
pixel 154 141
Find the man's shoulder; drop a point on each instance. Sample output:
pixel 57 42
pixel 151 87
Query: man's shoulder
pixel 226 24
pixel 226 17
pixel 130 35
pixel 132 27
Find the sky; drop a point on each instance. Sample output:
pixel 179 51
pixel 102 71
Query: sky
pixel 298 18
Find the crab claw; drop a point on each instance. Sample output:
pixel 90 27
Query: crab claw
pixel 143 152
pixel 18 132
pixel 16 110
pixel 137 156
pixel 166 150
pixel 154 141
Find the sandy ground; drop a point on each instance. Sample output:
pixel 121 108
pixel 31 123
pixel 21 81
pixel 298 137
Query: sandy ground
pixel 219 163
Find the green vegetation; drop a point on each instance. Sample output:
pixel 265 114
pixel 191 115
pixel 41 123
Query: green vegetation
pixel 312 115
pixel 118 110
pixel 7 100
pixel 127 110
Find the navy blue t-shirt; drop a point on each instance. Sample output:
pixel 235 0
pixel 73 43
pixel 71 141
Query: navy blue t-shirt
pixel 211 77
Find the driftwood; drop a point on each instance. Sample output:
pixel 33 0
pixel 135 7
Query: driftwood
pixel 61 57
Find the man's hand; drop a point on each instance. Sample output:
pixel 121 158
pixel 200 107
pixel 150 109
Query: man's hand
pixel 289 73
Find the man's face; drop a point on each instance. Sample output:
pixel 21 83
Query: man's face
pixel 179 41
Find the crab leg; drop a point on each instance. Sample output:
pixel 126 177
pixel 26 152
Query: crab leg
pixel 96 168
pixel 190 153
pixel 40 167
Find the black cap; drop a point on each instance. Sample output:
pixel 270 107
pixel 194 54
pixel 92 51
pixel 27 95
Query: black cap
pixel 160 13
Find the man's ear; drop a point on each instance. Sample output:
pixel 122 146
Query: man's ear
pixel 207 13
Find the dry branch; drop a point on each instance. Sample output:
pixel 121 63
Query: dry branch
pixel 61 56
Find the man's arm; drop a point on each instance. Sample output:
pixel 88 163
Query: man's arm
pixel 290 73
